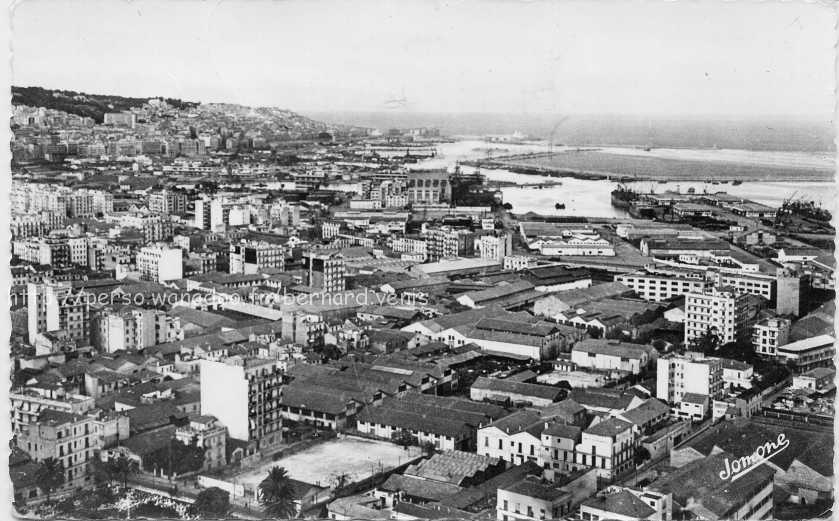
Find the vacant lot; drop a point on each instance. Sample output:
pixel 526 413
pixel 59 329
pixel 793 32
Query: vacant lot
pixel 656 168
pixel 357 458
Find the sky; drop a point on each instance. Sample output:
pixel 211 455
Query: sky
pixel 489 56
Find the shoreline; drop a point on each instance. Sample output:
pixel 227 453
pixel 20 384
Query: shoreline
pixel 727 173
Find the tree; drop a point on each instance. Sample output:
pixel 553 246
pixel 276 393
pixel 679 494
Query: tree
pixel 404 438
pixel 707 343
pixel 122 467
pixel 428 448
pixel 50 475
pixel 507 206
pixel 101 471
pixel 277 494
pixel 212 501
pixel 641 455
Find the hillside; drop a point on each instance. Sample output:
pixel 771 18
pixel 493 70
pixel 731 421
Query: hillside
pixel 90 105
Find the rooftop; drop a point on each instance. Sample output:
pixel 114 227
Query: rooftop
pixel 623 503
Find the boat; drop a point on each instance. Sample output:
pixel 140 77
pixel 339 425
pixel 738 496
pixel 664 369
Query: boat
pixel 736 183
pixel 559 206
pixel 623 197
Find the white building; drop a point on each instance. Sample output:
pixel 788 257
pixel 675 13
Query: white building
pixel 659 287
pixel 159 263
pixel 608 447
pixel 532 500
pixel 769 334
pixel 577 244
pixel 678 375
pixel 494 247
pixel 722 313
pixel 244 394
pixel 518 262
pixel 605 354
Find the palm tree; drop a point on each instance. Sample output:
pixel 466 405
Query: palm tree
pixel 122 468
pixel 50 475
pixel 277 494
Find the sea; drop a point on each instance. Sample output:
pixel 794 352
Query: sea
pixel 777 141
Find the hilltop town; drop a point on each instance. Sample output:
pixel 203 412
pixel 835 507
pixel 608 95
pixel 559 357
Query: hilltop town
pixel 220 310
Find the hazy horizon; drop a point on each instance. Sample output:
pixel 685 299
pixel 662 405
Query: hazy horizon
pixel 738 59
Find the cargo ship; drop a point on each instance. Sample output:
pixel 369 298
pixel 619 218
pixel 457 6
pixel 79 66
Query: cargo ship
pixel 623 197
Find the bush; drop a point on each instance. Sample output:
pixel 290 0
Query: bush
pixel 212 501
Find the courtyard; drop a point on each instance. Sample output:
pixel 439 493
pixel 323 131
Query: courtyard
pixel 324 464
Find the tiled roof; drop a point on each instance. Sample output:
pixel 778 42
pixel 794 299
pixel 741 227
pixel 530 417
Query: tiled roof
pixel 609 427
pixel 500 385
pixel 533 487
pixel 427 489
pixel 614 348
pixel 698 484
pixel 452 466
pixel 742 436
pixel 622 503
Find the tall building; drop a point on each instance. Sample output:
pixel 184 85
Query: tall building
pixel 54 306
pixel 244 393
pixel 303 328
pixel 209 213
pixel 724 313
pixel 251 256
pixel 159 263
pixel 168 202
pixel 789 293
pixel 325 271
pixel 692 373
pixel 443 243
pixel 494 246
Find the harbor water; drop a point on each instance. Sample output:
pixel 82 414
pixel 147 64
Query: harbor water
pixel 583 197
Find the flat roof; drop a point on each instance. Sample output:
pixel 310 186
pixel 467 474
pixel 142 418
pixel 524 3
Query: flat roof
pixel 815 342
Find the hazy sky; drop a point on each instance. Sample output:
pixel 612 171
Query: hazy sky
pixel 622 57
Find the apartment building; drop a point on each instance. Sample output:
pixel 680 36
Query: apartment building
pixel 657 287
pixel 532 500
pixel 133 329
pixel 168 202
pixel 693 373
pixel 206 432
pixel 444 243
pixel 250 257
pixel 65 437
pixel 769 334
pixel 723 312
pixel 410 246
pixel 27 404
pixel 43 250
pixel 325 271
pixel 244 394
pixel 608 446
pixel 159 263
pixel 54 306
pixel 495 247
